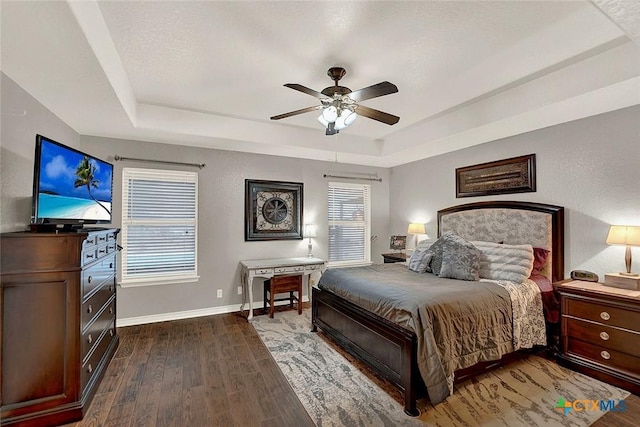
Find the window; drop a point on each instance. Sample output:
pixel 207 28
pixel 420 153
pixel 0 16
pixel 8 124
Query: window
pixel 159 227
pixel 349 224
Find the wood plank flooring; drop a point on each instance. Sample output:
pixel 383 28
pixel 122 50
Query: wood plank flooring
pixel 211 371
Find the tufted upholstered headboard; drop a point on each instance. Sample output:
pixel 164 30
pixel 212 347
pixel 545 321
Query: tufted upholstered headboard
pixel 515 223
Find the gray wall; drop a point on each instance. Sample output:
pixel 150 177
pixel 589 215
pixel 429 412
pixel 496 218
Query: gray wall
pixel 22 118
pixel 221 242
pixel 589 166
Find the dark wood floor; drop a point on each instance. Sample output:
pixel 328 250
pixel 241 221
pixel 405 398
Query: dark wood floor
pixel 211 371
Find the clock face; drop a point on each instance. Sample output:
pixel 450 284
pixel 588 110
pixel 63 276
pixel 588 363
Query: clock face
pixel 274 211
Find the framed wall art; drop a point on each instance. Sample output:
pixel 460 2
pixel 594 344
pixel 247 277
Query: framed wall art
pixel 272 210
pixel 514 175
pixel 398 242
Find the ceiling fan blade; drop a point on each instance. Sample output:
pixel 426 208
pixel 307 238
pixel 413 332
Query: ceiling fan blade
pixel 306 90
pixel 378 115
pixel 380 89
pixel 295 113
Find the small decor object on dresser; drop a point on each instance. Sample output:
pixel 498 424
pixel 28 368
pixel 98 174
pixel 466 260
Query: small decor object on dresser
pixel 398 243
pixel 273 210
pixel 618 280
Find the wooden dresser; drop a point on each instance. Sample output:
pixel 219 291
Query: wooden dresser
pixel 58 310
pixel 600 332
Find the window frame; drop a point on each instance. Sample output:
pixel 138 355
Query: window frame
pixel 366 222
pixel 160 278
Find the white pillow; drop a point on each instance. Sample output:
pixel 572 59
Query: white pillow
pixel 505 262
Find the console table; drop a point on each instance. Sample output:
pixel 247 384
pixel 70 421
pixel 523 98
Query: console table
pixel 267 268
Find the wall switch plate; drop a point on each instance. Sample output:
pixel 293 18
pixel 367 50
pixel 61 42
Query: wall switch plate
pixel 239 290
pixel 219 293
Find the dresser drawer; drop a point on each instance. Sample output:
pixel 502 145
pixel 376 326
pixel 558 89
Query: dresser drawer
pixel 90 366
pixel 603 313
pixel 94 276
pixel 604 336
pixel 92 306
pixel 92 332
pixel 612 358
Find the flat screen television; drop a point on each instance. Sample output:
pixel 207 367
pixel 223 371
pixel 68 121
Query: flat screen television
pixel 69 187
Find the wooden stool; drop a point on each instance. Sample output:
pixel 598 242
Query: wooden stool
pixel 281 284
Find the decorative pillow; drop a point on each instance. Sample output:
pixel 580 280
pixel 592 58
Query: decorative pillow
pixel 425 244
pixel 460 262
pixel 420 259
pixel 505 262
pixel 540 256
pixel 448 238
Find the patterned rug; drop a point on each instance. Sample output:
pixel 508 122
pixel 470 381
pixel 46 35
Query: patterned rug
pixel 336 390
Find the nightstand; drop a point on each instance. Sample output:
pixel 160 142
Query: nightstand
pixel 600 332
pixel 394 257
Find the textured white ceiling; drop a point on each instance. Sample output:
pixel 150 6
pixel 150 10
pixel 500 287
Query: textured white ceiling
pixel 211 74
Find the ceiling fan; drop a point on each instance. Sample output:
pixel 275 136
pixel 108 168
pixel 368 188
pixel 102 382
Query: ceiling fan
pixel 340 105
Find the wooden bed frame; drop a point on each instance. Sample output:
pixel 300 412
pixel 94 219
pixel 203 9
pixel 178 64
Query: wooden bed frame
pixel 390 350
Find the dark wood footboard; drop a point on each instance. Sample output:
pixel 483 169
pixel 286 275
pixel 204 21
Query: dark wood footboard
pixel 386 347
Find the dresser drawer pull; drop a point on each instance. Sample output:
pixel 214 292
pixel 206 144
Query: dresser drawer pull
pixel 90 368
pixel 110 310
pixel 89 256
pixel 605 355
pixel 90 339
pixel 111 332
pixel 605 316
pixel 89 279
pixel 604 336
pixel 110 265
pixel 90 309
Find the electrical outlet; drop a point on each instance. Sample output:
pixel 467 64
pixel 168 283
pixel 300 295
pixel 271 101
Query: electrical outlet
pixel 239 290
pixel 219 293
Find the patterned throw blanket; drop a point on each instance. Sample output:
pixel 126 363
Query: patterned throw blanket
pixel 458 323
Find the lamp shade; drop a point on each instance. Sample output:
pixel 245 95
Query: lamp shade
pixel 624 235
pixel 310 230
pixel 416 228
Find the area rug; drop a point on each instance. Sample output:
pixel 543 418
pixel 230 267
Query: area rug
pixel 532 392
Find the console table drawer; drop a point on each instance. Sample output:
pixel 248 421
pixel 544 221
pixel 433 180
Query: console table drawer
pixel 284 270
pixel 603 313
pixel 604 336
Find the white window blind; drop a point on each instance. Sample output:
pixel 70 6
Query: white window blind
pixel 159 226
pixel 349 224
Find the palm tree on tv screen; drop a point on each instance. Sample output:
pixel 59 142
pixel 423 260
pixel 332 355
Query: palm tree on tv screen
pixel 85 173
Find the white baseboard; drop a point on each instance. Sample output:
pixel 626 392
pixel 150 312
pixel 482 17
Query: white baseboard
pixel 177 315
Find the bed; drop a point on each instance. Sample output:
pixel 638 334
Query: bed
pixel 357 313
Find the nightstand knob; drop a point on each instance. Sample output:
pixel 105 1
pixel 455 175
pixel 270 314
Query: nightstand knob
pixel 605 355
pixel 604 336
pixel 605 316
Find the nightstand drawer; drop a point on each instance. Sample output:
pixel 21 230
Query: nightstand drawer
pixel 602 355
pixel 603 313
pixel 604 336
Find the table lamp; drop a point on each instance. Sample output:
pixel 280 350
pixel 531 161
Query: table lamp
pixel 310 231
pixel 625 235
pixel 416 228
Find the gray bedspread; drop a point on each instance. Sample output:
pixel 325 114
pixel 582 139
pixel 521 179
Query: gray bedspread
pixel 458 323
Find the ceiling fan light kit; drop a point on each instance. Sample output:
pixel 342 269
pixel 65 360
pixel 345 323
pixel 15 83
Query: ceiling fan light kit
pixel 339 103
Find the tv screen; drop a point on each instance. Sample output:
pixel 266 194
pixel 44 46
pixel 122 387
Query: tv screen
pixel 70 187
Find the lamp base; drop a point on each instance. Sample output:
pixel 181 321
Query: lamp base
pixel 629 274
pixel 619 280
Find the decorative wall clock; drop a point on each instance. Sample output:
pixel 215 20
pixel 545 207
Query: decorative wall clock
pixel 273 210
